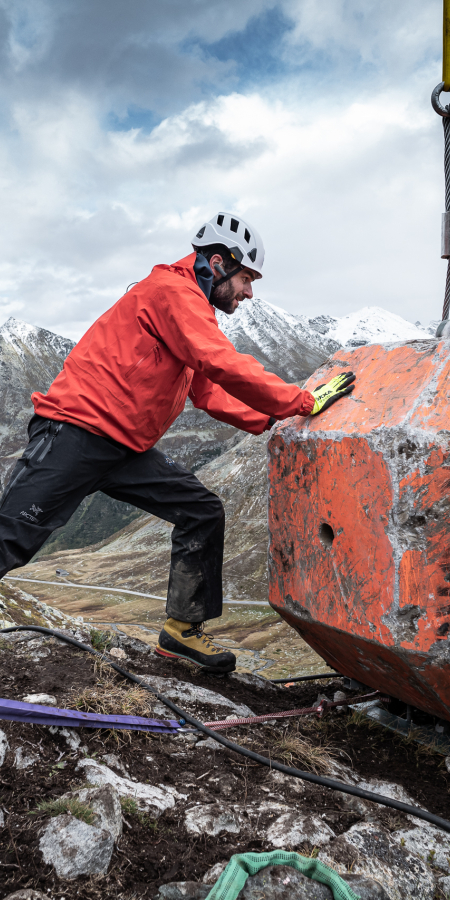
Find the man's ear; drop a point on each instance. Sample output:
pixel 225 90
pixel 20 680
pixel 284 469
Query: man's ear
pixel 215 261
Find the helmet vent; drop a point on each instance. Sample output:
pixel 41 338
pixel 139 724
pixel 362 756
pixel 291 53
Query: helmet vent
pixel 252 254
pixel 247 235
pixel 219 220
pixel 234 225
pixel 237 253
pixel 201 232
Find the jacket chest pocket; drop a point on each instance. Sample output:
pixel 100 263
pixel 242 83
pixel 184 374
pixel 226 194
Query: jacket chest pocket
pixel 151 356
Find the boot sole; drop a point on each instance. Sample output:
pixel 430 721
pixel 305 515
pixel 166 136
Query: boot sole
pixel 221 670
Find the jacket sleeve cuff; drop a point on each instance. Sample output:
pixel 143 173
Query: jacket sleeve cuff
pixel 308 404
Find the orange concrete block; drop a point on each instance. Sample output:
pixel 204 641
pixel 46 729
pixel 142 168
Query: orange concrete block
pixel 359 521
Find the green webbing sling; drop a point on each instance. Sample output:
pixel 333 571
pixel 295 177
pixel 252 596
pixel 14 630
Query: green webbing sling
pixel 242 865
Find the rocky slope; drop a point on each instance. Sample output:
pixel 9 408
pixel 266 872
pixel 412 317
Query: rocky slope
pixel 285 344
pixel 88 813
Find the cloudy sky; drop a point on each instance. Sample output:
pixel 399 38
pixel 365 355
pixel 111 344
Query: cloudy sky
pixel 125 124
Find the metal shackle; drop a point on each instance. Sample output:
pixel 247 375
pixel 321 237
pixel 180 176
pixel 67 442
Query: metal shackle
pixel 435 101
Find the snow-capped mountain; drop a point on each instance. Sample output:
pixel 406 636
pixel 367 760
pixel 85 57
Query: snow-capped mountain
pixel 26 339
pixel 285 344
pixel 30 358
pixel 369 325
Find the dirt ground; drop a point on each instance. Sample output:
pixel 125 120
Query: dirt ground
pixel 153 852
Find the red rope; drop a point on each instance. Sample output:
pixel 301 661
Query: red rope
pixel 323 706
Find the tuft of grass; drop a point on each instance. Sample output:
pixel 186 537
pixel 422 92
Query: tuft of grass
pixel 130 808
pixel 65 805
pixel 110 698
pixel 293 748
pixel 358 717
pixel 100 640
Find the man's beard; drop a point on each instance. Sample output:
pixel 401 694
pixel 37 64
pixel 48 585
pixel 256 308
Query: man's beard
pixel 223 297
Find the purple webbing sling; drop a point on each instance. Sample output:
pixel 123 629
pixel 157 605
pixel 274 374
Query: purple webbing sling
pixel 34 713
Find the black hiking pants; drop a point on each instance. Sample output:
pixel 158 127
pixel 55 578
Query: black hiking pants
pixel 64 463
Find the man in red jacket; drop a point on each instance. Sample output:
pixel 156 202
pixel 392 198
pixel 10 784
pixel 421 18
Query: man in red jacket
pixel 121 388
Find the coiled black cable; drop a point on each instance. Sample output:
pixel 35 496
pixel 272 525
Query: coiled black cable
pixel 263 760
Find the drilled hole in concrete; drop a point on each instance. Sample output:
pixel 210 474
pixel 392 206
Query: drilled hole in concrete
pixel 326 534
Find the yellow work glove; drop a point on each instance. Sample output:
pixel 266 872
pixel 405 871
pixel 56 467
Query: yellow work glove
pixel 326 394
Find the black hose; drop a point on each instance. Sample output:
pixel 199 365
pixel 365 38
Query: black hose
pixel 263 760
pixel 304 678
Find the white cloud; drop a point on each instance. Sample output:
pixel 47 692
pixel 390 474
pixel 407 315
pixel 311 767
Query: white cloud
pixel 346 188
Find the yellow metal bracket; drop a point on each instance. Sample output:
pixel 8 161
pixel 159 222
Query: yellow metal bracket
pixel 446 46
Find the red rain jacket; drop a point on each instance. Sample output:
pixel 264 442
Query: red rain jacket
pixel 130 374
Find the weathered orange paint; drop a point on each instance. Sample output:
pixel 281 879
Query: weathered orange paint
pixel 375 468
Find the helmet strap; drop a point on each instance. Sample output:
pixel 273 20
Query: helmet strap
pixel 225 278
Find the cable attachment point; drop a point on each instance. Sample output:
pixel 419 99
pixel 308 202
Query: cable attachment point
pixel 445 236
pixel 443 329
pixel 435 102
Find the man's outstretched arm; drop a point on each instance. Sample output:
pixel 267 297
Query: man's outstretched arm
pixel 222 406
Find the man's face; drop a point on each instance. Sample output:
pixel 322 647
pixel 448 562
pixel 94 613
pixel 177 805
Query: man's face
pixel 229 295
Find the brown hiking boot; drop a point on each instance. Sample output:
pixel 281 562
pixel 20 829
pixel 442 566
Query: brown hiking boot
pixel 187 640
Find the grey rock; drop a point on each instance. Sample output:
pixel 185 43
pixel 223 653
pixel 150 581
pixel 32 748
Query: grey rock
pixel 444 884
pixel 156 799
pixel 74 848
pixel 111 759
pixel 356 805
pixel 211 876
pixel 70 735
pixel 366 888
pixel 210 819
pixel 339 695
pixel 253 680
pixel 4 746
pixel 373 853
pixel 277 780
pixel 292 829
pixel 44 699
pixel 209 744
pixel 430 842
pixel 27 894
pixel 183 692
pixel 321 697
pixel 22 760
pixel 183 890
pixel 105 803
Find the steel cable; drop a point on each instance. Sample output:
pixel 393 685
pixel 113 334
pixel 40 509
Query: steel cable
pixel 243 751
pixel 446 126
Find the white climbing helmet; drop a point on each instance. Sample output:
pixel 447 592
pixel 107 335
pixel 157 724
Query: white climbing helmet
pixel 242 240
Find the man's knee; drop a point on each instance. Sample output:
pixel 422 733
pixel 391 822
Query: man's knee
pixel 216 511
pixel 207 516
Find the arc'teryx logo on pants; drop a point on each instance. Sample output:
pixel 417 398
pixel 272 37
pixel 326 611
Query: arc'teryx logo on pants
pixel 34 509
